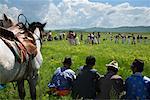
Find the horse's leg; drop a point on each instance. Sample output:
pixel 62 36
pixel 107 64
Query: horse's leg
pixel 32 84
pixel 21 89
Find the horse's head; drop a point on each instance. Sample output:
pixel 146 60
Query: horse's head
pixel 6 22
pixel 37 28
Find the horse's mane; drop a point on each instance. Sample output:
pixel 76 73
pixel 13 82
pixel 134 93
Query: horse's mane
pixel 35 25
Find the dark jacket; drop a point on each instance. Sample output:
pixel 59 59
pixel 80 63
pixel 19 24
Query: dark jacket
pixel 111 86
pixel 86 84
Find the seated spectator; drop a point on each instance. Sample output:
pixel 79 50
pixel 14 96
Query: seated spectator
pixel 137 87
pixel 62 79
pixel 111 85
pixel 86 84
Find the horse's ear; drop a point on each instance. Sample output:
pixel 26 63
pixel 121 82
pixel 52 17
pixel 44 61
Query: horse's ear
pixel 10 21
pixel 5 17
pixel 29 26
pixel 43 25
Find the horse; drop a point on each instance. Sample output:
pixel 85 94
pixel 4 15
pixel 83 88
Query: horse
pixel 14 70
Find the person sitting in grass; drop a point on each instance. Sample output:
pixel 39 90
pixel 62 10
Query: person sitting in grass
pixel 111 84
pixel 62 79
pixel 86 84
pixel 137 86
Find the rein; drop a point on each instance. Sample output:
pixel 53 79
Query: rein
pixel 26 21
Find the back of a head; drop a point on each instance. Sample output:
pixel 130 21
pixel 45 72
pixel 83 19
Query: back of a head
pixel 90 60
pixel 139 64
pixel 67 61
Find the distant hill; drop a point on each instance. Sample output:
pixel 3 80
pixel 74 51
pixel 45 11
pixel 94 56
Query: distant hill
pixel 118 29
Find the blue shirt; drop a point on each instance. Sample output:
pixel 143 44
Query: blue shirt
pixel 137 87
pixel 62 78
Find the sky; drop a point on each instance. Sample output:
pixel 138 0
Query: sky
pixel 80 13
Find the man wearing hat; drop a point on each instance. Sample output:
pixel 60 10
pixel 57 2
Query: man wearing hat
pixel 111 85
pixel 62 79
pixel 137 86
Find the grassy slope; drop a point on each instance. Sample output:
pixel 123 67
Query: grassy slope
pixel 55 51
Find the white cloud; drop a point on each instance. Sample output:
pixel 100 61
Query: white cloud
pixel 6 1
pixel 12 12
pixel 83 13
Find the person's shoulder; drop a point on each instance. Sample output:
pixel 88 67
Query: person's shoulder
pixel 69 71
pixel 58 70
pixel 80 68
pixel 93 70
pixel 128 78
pixel 131 78
pixel 116 77
pixel 146 79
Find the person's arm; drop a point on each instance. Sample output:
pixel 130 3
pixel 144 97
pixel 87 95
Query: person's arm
pixel 98 82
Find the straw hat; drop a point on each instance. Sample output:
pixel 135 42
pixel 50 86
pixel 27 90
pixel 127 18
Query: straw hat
pixel 113 64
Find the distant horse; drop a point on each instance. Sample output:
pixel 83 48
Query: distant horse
pixel 17 64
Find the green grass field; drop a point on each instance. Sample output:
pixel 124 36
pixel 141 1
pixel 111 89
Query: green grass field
pixel 54 52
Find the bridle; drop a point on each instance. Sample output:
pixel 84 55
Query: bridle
pixel 24 26
pixel 38 38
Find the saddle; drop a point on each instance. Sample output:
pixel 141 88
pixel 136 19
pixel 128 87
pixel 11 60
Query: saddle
pixel 6 34
pixel 28 43
pixel 25 44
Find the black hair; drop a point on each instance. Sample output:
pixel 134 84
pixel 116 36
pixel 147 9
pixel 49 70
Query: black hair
pixel 68 61
pixel 139 64
pixel 109 68
pixel 90 60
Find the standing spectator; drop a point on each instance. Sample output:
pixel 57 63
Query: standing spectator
pixel 123 39
pixel 141 37
pixel 81 36
pixel 137 87
pixel 129 39
pixel 92 38
pixel 77 42
pixel 98 37
pixel 64 34
pixel 117 38
pixel 138 38
pixel 111 85
pixel 133 39
pixel 71 37
pixel 60 35
pixel 50 38
pixel 62 79
pixel 86 84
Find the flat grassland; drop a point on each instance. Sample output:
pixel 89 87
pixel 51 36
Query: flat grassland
pixel 54 52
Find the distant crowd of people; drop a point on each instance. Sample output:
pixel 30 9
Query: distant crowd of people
pixel 96 37
pixel 87 83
